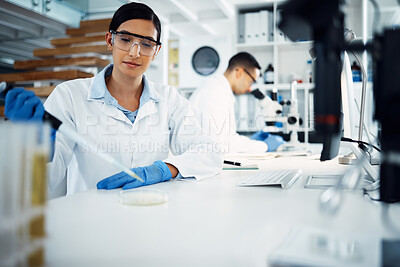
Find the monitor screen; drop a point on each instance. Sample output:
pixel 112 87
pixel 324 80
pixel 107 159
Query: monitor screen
pixel 328 110
pixel 350 112
pixel 348 121
pixel 322 21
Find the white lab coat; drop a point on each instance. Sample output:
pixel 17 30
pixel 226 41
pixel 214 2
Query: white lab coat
pixel 163 125
pixel 214 104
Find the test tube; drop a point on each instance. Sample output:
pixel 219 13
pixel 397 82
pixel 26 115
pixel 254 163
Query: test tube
pixel 37 158
pixel 23 158
pixel 11 143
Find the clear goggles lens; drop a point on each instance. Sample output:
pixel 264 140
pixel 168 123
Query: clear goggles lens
pixel 126 42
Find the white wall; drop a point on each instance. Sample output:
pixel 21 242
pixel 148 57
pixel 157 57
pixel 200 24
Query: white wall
pixel 292 63
pixel 155 72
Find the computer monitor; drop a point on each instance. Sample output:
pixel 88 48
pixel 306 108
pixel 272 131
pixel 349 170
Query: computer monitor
pixel 331 144
pixel 348 124
pixel 349 110
pixel 328 98
pixel 323 22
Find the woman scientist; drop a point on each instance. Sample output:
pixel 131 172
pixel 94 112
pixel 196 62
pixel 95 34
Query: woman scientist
pixel 125 115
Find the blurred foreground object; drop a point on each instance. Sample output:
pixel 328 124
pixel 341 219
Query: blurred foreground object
pixel 23 186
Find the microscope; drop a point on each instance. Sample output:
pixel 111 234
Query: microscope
pixel 283 116
pixel 271 110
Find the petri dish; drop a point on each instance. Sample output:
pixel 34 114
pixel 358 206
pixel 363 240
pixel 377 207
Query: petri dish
pixel 142 197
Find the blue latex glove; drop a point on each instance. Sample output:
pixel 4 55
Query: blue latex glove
pixel 273 142
pixel 158 172
pixel 23 105
pixel 260 135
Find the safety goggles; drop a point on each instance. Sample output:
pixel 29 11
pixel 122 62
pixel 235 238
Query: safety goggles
pixel 126 41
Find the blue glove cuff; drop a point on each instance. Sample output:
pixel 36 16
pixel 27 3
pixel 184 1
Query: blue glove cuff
pixel 166 173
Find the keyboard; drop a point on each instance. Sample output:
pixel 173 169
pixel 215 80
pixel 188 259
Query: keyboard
pixel 284 178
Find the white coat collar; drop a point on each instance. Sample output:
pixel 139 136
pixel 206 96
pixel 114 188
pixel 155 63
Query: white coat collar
pixel 97 93
pixel 98 86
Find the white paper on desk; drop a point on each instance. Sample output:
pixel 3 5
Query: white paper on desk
pixel 293 153
pixel 243 166
pixel 322 247
pixel 250 156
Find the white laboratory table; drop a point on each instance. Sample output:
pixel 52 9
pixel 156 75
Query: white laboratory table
pixel 208 223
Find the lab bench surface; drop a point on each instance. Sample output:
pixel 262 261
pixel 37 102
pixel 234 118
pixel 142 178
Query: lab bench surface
pixel 208 223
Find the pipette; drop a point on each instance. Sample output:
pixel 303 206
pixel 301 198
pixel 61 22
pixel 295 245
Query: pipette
pixel 74 136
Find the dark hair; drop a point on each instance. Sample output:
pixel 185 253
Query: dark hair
pixel 244 60
pixel 135 11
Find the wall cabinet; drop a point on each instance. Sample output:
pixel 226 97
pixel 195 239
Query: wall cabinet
pixel 67 12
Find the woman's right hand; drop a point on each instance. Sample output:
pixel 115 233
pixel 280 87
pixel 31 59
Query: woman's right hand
pixel 23 105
